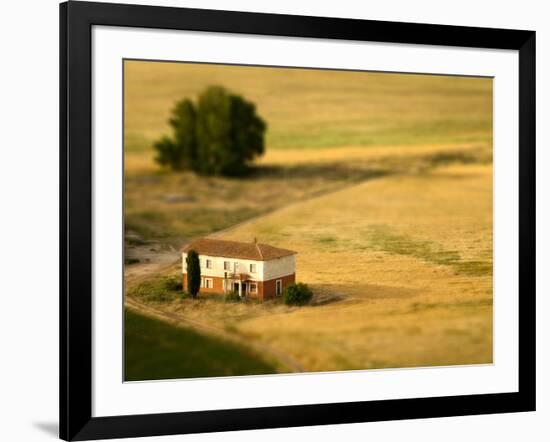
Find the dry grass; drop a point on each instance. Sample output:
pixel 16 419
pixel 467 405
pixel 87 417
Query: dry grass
pixel 327 130
pixel 411 259
pixel 401 268
pixel 317 108
pixel 170 207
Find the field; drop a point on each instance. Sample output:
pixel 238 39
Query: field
pixel 382 183
pixel 361 124
pixel 309 109
pixel 183 352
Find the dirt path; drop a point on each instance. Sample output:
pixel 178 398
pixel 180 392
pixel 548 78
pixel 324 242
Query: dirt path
pixel 152 259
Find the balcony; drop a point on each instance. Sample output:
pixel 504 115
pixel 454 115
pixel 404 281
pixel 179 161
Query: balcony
pixel 239 276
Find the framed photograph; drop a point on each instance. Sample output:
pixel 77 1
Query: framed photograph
pixel 273 220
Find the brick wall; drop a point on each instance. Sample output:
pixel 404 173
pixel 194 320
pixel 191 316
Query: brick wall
pixel 266 289
pixel 217 284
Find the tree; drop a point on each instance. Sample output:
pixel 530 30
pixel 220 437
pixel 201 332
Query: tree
pixel 181 152
pixel 221 136
pixel 193 273
pixel 229 133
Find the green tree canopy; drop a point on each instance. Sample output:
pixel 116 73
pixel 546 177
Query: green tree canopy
pixel 220 136
pixel 180 152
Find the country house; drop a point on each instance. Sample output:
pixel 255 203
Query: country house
pixel 249 269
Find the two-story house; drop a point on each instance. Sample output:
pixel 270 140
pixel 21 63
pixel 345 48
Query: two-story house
pixel 249 269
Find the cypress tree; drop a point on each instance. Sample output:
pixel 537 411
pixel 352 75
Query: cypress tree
pixel 193 273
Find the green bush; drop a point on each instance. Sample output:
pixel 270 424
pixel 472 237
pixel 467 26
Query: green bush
pixel 174 284
pixel 221 135
pixel 232 297
pixel 297 294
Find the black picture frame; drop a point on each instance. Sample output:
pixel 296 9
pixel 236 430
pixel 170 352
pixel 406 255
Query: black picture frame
pixel 76 21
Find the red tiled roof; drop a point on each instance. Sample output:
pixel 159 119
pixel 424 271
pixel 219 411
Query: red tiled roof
pixel 235 249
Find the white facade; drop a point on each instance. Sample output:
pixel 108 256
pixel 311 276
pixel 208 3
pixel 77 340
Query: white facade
pixel 279 267
pixel 255 270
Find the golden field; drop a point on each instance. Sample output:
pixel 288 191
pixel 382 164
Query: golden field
pixel 307 108
pixel 404 265
pixel 381 182
pixel 326 130
pixel 400 267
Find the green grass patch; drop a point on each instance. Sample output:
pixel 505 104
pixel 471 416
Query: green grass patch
pixel 156 350
pixel 474 268
pixel 384 239
pixel 326 239
pixel 357 133
pixel 161 290
pixel 165 224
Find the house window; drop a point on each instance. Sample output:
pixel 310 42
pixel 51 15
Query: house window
pixel 226 265
pixel 208 263
pixel 253 288
pixel 208 283
pixel 252 268
pixel 235 267
pixel 278 286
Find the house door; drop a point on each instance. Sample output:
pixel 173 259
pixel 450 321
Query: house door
pixel 242 291
pixel 278 287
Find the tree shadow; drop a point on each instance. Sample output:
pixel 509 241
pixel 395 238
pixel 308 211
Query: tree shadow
pixel 326 171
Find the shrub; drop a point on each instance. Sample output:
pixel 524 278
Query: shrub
pixel 193 273
pixel 221 135
pixel 297 294
pixel 174 284
pixel 232 297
